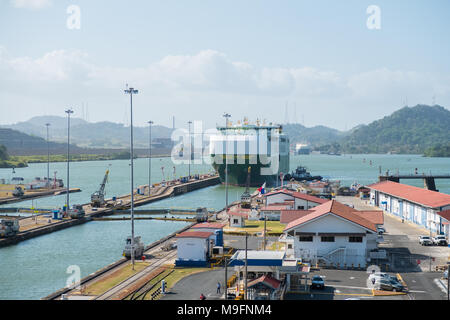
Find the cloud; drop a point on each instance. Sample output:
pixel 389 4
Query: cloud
pixel 30 4
pixel 189 84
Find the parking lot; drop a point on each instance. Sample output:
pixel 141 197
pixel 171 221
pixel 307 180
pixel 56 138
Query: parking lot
pixel 343 285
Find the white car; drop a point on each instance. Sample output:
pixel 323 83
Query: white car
pixel 425 240
pixel 440 240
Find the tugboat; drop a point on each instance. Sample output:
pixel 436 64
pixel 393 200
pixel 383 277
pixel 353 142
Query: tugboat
pixel 300 174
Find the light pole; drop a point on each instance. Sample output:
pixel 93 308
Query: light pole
pixel 69 112
pixel 190 149
pixel 448 280
pixel 149 157
pixel 132 91
pixel 48 158
pixel 226 115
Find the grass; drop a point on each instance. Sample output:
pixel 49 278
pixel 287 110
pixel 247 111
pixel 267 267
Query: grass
pixel 100 287
pixel 176 276
pixel 272 227
pixel 24 160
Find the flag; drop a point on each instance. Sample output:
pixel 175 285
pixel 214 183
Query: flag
pixel 261 189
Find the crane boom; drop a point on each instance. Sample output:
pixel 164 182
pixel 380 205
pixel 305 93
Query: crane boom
pixel 102 186
pixel 98 197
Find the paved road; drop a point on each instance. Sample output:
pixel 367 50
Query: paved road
pixel 402 244
pixel 191 287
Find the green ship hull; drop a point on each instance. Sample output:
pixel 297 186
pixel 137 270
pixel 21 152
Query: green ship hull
pixel 237 173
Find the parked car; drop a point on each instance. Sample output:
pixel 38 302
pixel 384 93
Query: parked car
pixel 317 282
pixel 389 285
pixel 379 275
pixel 445 275
pixel 425 240
pixel 381 230
pixel 440 240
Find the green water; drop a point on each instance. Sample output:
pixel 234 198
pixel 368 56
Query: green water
pixel 37 267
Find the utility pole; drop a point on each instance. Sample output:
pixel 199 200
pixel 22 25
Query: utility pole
pixel 150 157
pixel 132 91
pixel 265 229
pixel 190 149
pixel 246 264
pixel 448 280
pixel 226 279
pixel 48 158
pixel 226 115
pixel 69 112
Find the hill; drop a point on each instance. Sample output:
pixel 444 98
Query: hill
pixel 408 130
pixel 315 136
pixel 87 134
pixel 21 144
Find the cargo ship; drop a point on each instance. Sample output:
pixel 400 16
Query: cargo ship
pixel 254 145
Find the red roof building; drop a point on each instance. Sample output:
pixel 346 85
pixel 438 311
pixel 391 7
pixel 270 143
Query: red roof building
pixel 424 197
pixel 335 208
pixel 208 225
pixel 194 234
pixel 291 215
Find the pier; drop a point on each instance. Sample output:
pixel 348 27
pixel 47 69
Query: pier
pixel 35 194
pixel 41 223
pixel 157 256
pixel 428 180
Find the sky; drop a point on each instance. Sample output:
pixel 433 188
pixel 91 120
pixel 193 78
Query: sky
pixel 332 63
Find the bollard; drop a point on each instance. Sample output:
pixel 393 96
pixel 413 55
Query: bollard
pixel 353 266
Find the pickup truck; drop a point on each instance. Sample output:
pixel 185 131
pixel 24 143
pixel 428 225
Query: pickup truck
pixel 440 240
pixel 425 240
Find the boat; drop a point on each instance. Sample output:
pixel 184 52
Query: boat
pixel 302 149
pixel 301 174
pixel 247 137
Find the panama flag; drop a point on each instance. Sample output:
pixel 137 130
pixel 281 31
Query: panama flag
pixel 261 190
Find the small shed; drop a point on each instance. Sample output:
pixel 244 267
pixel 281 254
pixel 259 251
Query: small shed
pixel 213 227
pixel 237 219
pixel 193 248
pixel 263 288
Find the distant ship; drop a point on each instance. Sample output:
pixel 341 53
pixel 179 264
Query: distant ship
pixel 239 159
pixel 302 149
pixel 301 174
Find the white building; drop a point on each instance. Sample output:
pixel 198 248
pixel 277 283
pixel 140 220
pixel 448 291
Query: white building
pixel 237 219
pixel 417 205
pixel 193 248
pixel 333 234
pixel 301 201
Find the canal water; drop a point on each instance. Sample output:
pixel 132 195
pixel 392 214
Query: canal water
pixel 37 267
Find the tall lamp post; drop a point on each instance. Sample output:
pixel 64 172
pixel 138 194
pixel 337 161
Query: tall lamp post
pixel 149 157
pixel 132 91
pixel 226 116
pixel 48 158
pixel 190 149
pixel 69 112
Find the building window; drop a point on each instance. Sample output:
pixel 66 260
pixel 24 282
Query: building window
pixel 327 239
pixel 289 246
pixel 354 239
pixel 300 207
pixel 305 238
pixel 235 221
